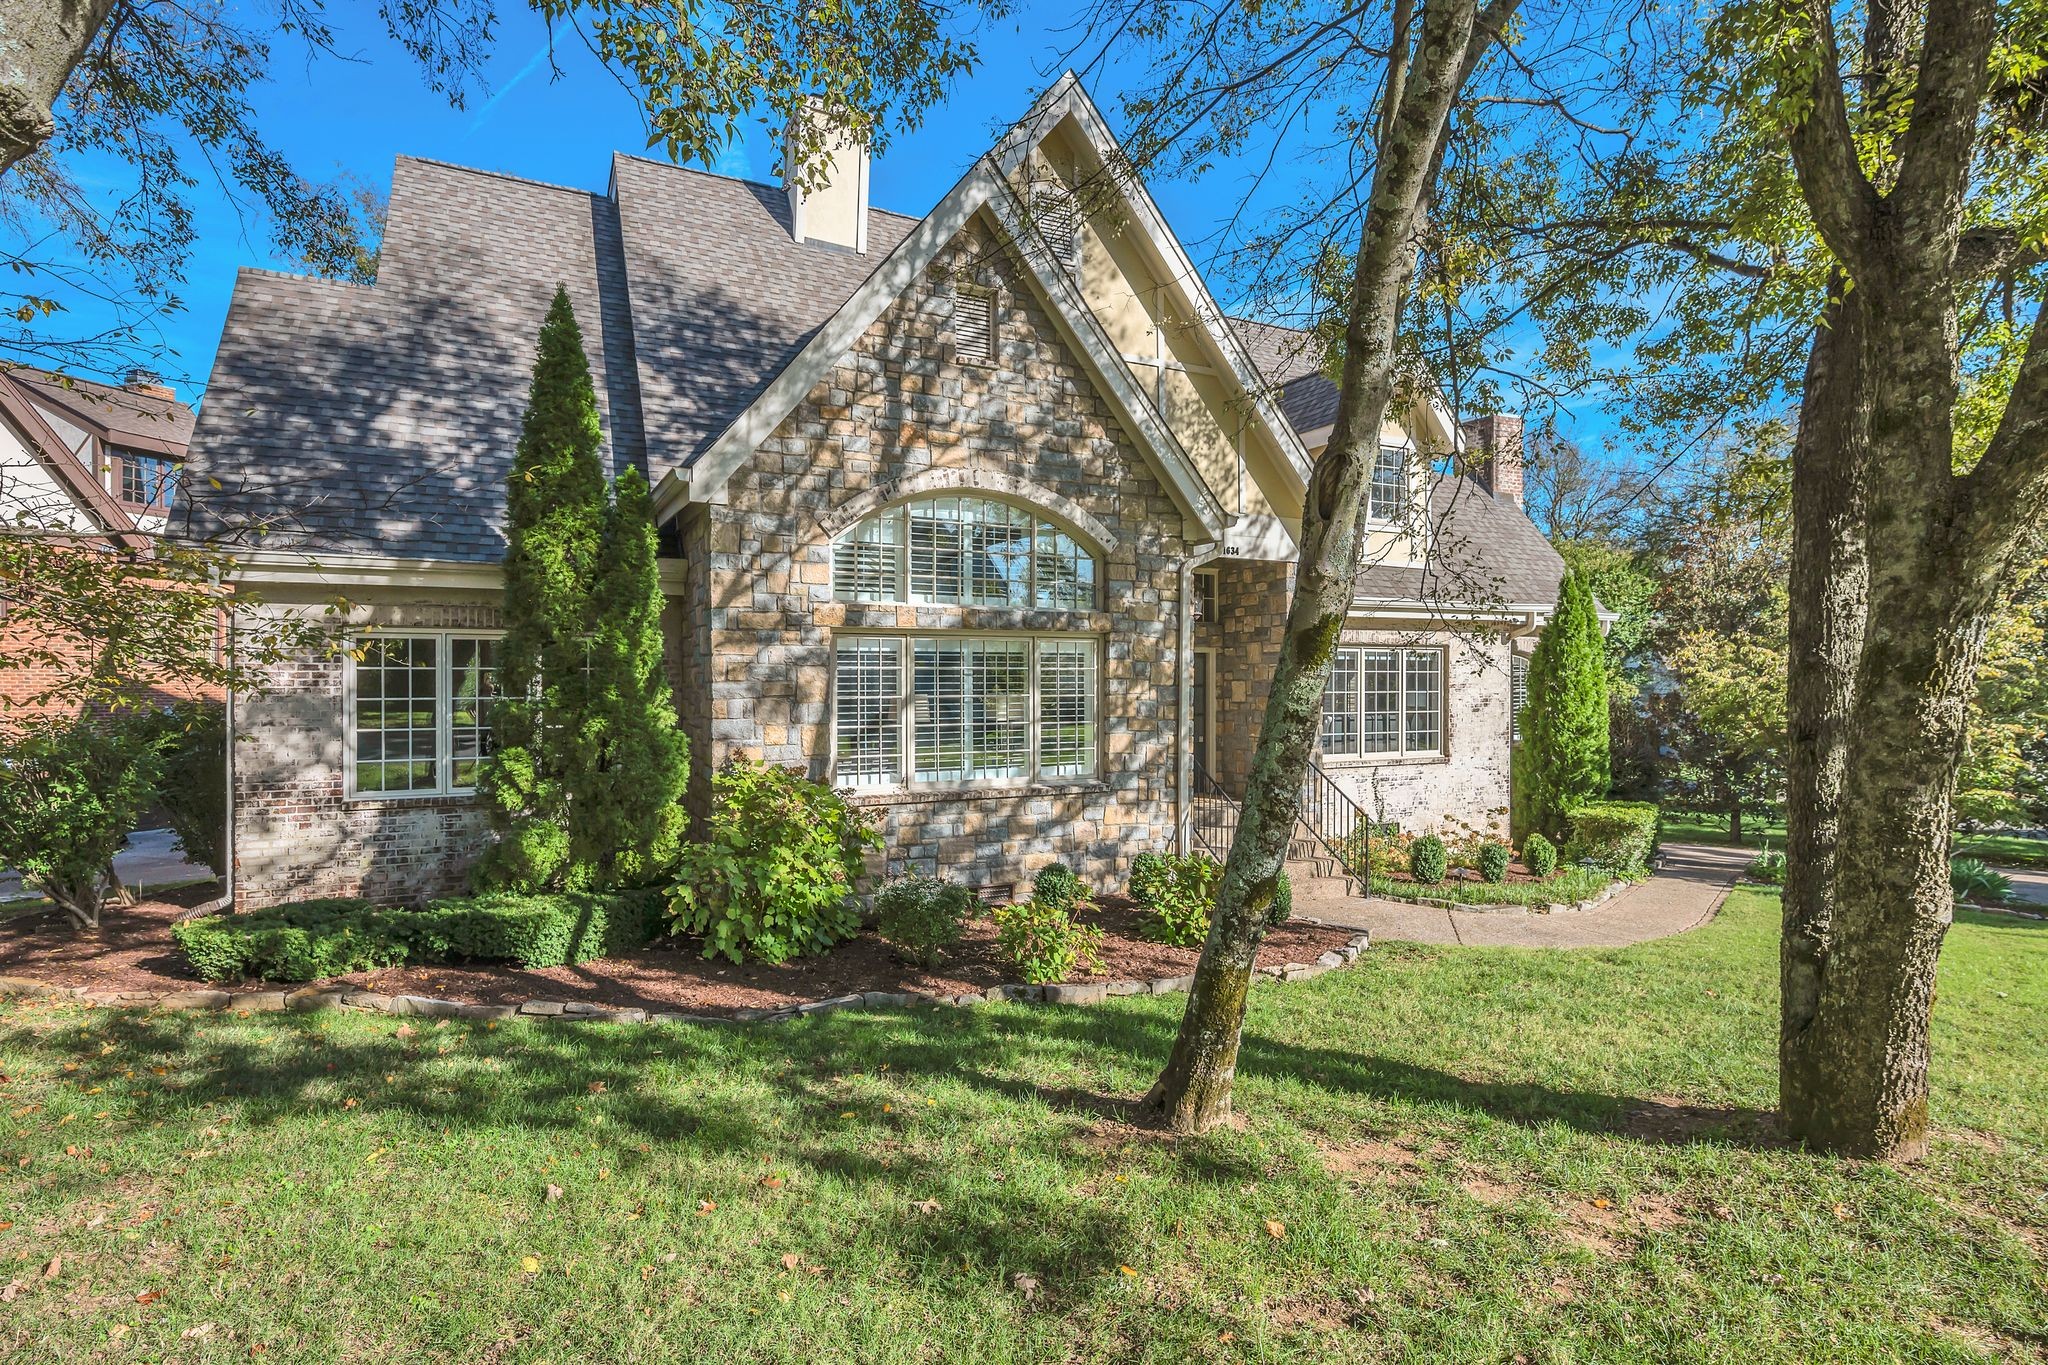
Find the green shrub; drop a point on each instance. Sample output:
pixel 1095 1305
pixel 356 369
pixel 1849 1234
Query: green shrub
pixel 1767 867
pixel 1283 899
pixel 1178 895
pixel 1539 855
pixel 303 941
pixel 1615 836
pixel 1428 860
pixel 922 915
pixel 1493 862
pixel 542 929
pixel 777 875
pixel 193 790
pixel 1057 885
pixel 1044 942
pixel 73 792
pixel 1972 879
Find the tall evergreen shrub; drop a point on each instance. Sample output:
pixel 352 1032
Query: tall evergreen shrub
pixel 1563 760
pixel 555 513
pixel 627 821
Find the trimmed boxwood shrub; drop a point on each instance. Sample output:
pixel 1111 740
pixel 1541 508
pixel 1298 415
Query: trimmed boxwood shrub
pixel 1428 860
pixel 1539 855
pixel 1616 836
pixel 1057 885
pixel 1493 862
pixel 922 915
pixel 317 939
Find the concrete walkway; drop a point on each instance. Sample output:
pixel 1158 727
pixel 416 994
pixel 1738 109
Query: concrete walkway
pixel 1694 881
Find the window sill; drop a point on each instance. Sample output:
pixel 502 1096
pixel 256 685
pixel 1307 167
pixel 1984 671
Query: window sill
pixel 466 796
pixel 923 616
pixel 1007 791
pixel 1382 761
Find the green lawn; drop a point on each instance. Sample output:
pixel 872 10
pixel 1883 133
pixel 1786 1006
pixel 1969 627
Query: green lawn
pixel 2000 850
pixel 1465 1154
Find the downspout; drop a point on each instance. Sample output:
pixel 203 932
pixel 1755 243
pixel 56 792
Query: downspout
pixel 1184 750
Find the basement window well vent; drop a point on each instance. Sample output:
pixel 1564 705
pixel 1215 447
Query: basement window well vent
pixel 1058 219
pixel 974 324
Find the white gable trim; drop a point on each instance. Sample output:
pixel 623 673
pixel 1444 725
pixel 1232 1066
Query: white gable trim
pixel 706 478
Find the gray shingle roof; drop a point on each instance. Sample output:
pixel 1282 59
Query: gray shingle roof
pixel 1486 553
pixel 127 416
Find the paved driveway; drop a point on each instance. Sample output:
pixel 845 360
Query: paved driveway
pixel 1683 895
pixel 2029 885
pixel 148 860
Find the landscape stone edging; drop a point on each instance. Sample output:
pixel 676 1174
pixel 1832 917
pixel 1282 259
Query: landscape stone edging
pixel 1614 888
pixel 306 999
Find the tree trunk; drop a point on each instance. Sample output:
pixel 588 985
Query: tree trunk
pixel 1194 1091
pixel 1735 820
pixel 41 44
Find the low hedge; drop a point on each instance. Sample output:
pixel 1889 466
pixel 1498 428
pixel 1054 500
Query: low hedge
pixel 313 940
pixel 1616 836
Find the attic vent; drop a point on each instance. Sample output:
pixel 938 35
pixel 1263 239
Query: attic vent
pixel 1058 219
pixel 974 324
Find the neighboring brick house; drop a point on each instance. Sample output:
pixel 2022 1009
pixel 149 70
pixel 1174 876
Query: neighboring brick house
pixel 987 516
pixel 93 465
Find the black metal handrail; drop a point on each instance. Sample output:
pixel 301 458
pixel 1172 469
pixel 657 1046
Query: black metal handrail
pixel 1340 825
pixel 1213 815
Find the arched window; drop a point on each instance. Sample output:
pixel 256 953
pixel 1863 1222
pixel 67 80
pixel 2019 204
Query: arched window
pixel 963 551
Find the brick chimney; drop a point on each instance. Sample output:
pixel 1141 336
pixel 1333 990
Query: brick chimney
pixel 1494 454
pixel 828 200
pixel 148 383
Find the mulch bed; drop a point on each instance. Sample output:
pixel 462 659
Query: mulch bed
pixel 133 951
pixel 1517 875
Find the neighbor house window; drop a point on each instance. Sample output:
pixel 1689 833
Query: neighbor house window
pixel 1384 701
pixel 974 324
pixel 419 719
pixel 948 710
pixel 1518 695
pixel 1387 496
pixel 148 482
pixel 963 551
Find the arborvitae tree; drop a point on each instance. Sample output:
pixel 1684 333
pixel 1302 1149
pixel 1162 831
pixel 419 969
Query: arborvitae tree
pixel 555 511
pixel 627 821
pixel 1563 759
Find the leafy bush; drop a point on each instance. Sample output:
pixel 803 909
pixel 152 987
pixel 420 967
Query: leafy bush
pixel 1616 836
pixel 1493 862
pixel 922 915
pixel 74 791
pixel 1539 855
pixel 316 939
pixel 1767 867
pixel 776 877
pixel 1283 900
pixel 1178 895
pixel 1057 885
pixel 1428 860
pixel 1972 879
pixel 193 789
pixel 1044 942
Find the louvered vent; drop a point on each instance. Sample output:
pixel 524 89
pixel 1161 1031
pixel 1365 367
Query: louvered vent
pixel 1058 219
pixel 974 324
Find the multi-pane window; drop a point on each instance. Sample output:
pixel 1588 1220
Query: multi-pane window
pixel 147 481
pixel 974 324
pixel 963 551
pixel 1205 596
pixel 954 709
pixel 419 712
pixel 1518 695
pixel 1384 701
pixel 1387 495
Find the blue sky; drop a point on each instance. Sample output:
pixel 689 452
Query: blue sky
pixel 354 117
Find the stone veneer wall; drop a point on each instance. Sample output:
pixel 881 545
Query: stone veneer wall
pixel 900 407
pixel 1251 604
pixel 295 833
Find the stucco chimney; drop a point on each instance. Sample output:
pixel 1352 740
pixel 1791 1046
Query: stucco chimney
pixel 828 199
pixel 1496 460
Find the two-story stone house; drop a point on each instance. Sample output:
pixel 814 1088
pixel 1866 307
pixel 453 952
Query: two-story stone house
pixel 986 516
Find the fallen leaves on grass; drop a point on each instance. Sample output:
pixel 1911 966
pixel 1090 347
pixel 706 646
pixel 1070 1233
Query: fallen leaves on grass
pixel 1276 1229
pixel 1027 1285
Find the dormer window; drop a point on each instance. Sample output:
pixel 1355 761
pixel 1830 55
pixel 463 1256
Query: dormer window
pixel 974 324
pixel 1387 497
pixel 1058 219
pixel 147 483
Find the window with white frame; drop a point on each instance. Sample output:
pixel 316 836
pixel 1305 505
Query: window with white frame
pixel 963 551
pixel 1384 702
pixel 419 720
pixel 1518 695
pixel 1205 595
pixel 1387 495
pixel 949 710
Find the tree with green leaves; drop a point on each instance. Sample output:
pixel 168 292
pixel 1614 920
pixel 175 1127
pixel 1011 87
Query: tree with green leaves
pixel 626 818
pixel 554 525
pixel 1563 760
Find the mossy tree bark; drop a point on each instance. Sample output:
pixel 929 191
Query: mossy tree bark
pixel 1436 47
pixel 1898 559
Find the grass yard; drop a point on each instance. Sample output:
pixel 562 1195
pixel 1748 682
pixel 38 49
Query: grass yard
pixel 1697 827
pixel 1448 1155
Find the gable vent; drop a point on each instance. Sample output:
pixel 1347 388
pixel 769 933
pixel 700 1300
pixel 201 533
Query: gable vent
pixel 974 324
pixel 1058 219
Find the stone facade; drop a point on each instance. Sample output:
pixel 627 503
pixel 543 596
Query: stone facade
pixel 899 415
pixel 297 834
